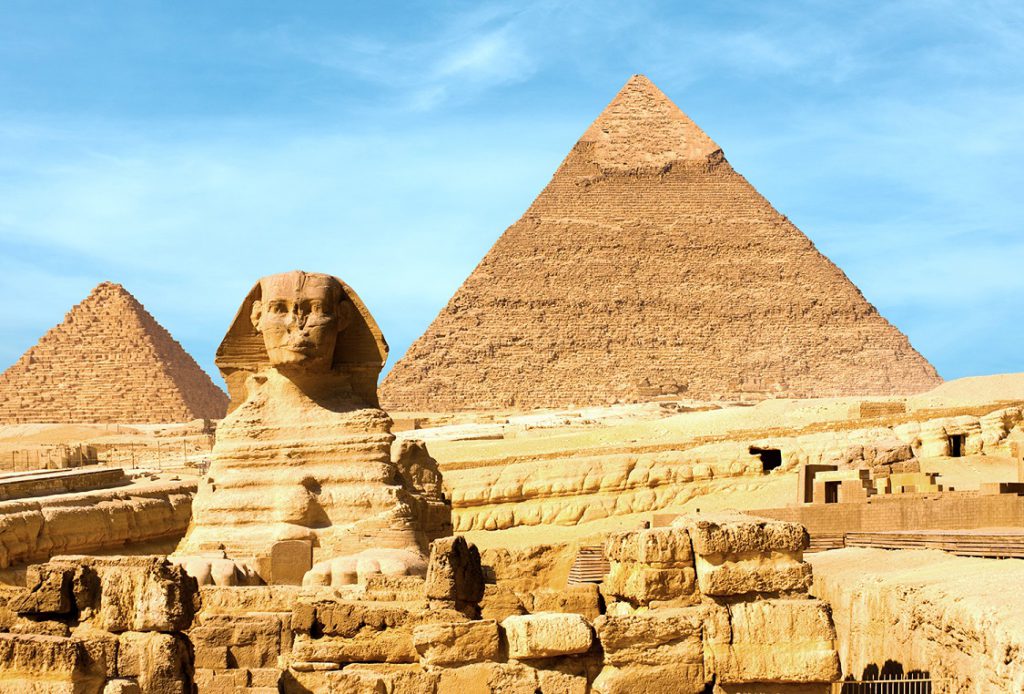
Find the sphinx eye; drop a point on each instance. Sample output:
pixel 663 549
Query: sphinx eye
pixel 278 307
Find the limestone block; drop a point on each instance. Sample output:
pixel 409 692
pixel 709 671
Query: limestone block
pixel 158 662
pixel 102 648
pixel 545 635
pixel 387 646
pixel 650 679
pixel 122 686
pixel 778 641
pixel 778 573
pixel 655 637
pixel 397 678
pixel 348 632
pixel 735 533
pixel 289 561
pixel 500 602
pixel 650 565
pixel 47 664
pixel 144 594
pixel 454 572
pixel 525 569
pixel 655 547
pixel 656 651
pixel 336 682
pixel 736 554
pixel 457 643
pixel 642 585
pixel 250 641
pixel 582 598
pixel 487 678
pixel 49 591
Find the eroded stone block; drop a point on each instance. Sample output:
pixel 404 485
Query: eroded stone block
pixel 456 643
pixel 778 641
pixel 547 634
pixel 454 572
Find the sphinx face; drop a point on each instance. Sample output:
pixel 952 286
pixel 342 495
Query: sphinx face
pixel 300 316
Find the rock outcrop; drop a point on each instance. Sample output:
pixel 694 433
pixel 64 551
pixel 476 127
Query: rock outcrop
pixel 649 267
pixel 108 361
pixel 957 619
pixel 34 530
pixel 583 484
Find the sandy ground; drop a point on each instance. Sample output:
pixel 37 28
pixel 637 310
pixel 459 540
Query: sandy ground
pixel 967 473
pixel 165 446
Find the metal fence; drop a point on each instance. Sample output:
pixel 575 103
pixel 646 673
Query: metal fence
pixel 910 683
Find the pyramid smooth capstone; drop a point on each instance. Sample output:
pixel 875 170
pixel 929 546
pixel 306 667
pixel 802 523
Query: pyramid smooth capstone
pixel 648 266
pixel 108 361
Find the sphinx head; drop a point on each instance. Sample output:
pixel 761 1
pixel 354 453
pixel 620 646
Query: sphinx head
pixel 300 315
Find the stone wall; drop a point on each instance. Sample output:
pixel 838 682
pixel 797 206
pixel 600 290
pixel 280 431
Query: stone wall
pixel 937 511
pixel 108 361
pixel 99 521
pixel 59 482
pixel 712 605
pixel 578 486
pixel 648 266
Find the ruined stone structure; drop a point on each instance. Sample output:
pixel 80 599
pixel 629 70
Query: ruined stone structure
pixel 578 485
pixel 648 266
pixel 108 361
pixel 302 472
pixel 712 604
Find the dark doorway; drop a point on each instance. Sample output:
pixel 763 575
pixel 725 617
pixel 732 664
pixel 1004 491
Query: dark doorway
pixel 956 445
pixel 831 492
pixel 771 458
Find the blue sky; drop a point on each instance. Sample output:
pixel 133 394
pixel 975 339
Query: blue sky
pixel 185 149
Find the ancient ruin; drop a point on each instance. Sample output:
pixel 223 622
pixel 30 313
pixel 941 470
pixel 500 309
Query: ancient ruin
pixel 302 478
pixel 689 515
pixel 649 267
pixel 711 604
pixel 108 361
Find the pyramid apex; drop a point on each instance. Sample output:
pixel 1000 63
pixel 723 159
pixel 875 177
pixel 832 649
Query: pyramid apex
pixel 643 129
pixel 108 285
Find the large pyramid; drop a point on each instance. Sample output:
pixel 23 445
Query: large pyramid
pixel 649 266
pixel 109 361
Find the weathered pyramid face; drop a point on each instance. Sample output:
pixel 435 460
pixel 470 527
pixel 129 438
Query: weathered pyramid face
pixel 648 266
pixel 109 361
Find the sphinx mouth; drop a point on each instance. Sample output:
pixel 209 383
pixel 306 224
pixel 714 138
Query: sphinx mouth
pixel 301 348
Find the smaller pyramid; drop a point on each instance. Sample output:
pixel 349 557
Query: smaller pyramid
pixel 108 361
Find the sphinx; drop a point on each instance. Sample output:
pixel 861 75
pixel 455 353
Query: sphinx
pixel 302 486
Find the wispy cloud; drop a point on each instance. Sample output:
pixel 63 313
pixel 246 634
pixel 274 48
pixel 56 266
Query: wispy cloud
pixel 470 53
pixel 394 151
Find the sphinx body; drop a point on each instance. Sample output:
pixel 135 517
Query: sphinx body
pixel 305 455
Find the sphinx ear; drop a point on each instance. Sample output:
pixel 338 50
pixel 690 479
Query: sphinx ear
pixel 344 315
pixel 257 313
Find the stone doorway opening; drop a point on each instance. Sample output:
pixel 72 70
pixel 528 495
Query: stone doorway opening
pixel 831 492
pixel 956 445
pixel 771 458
